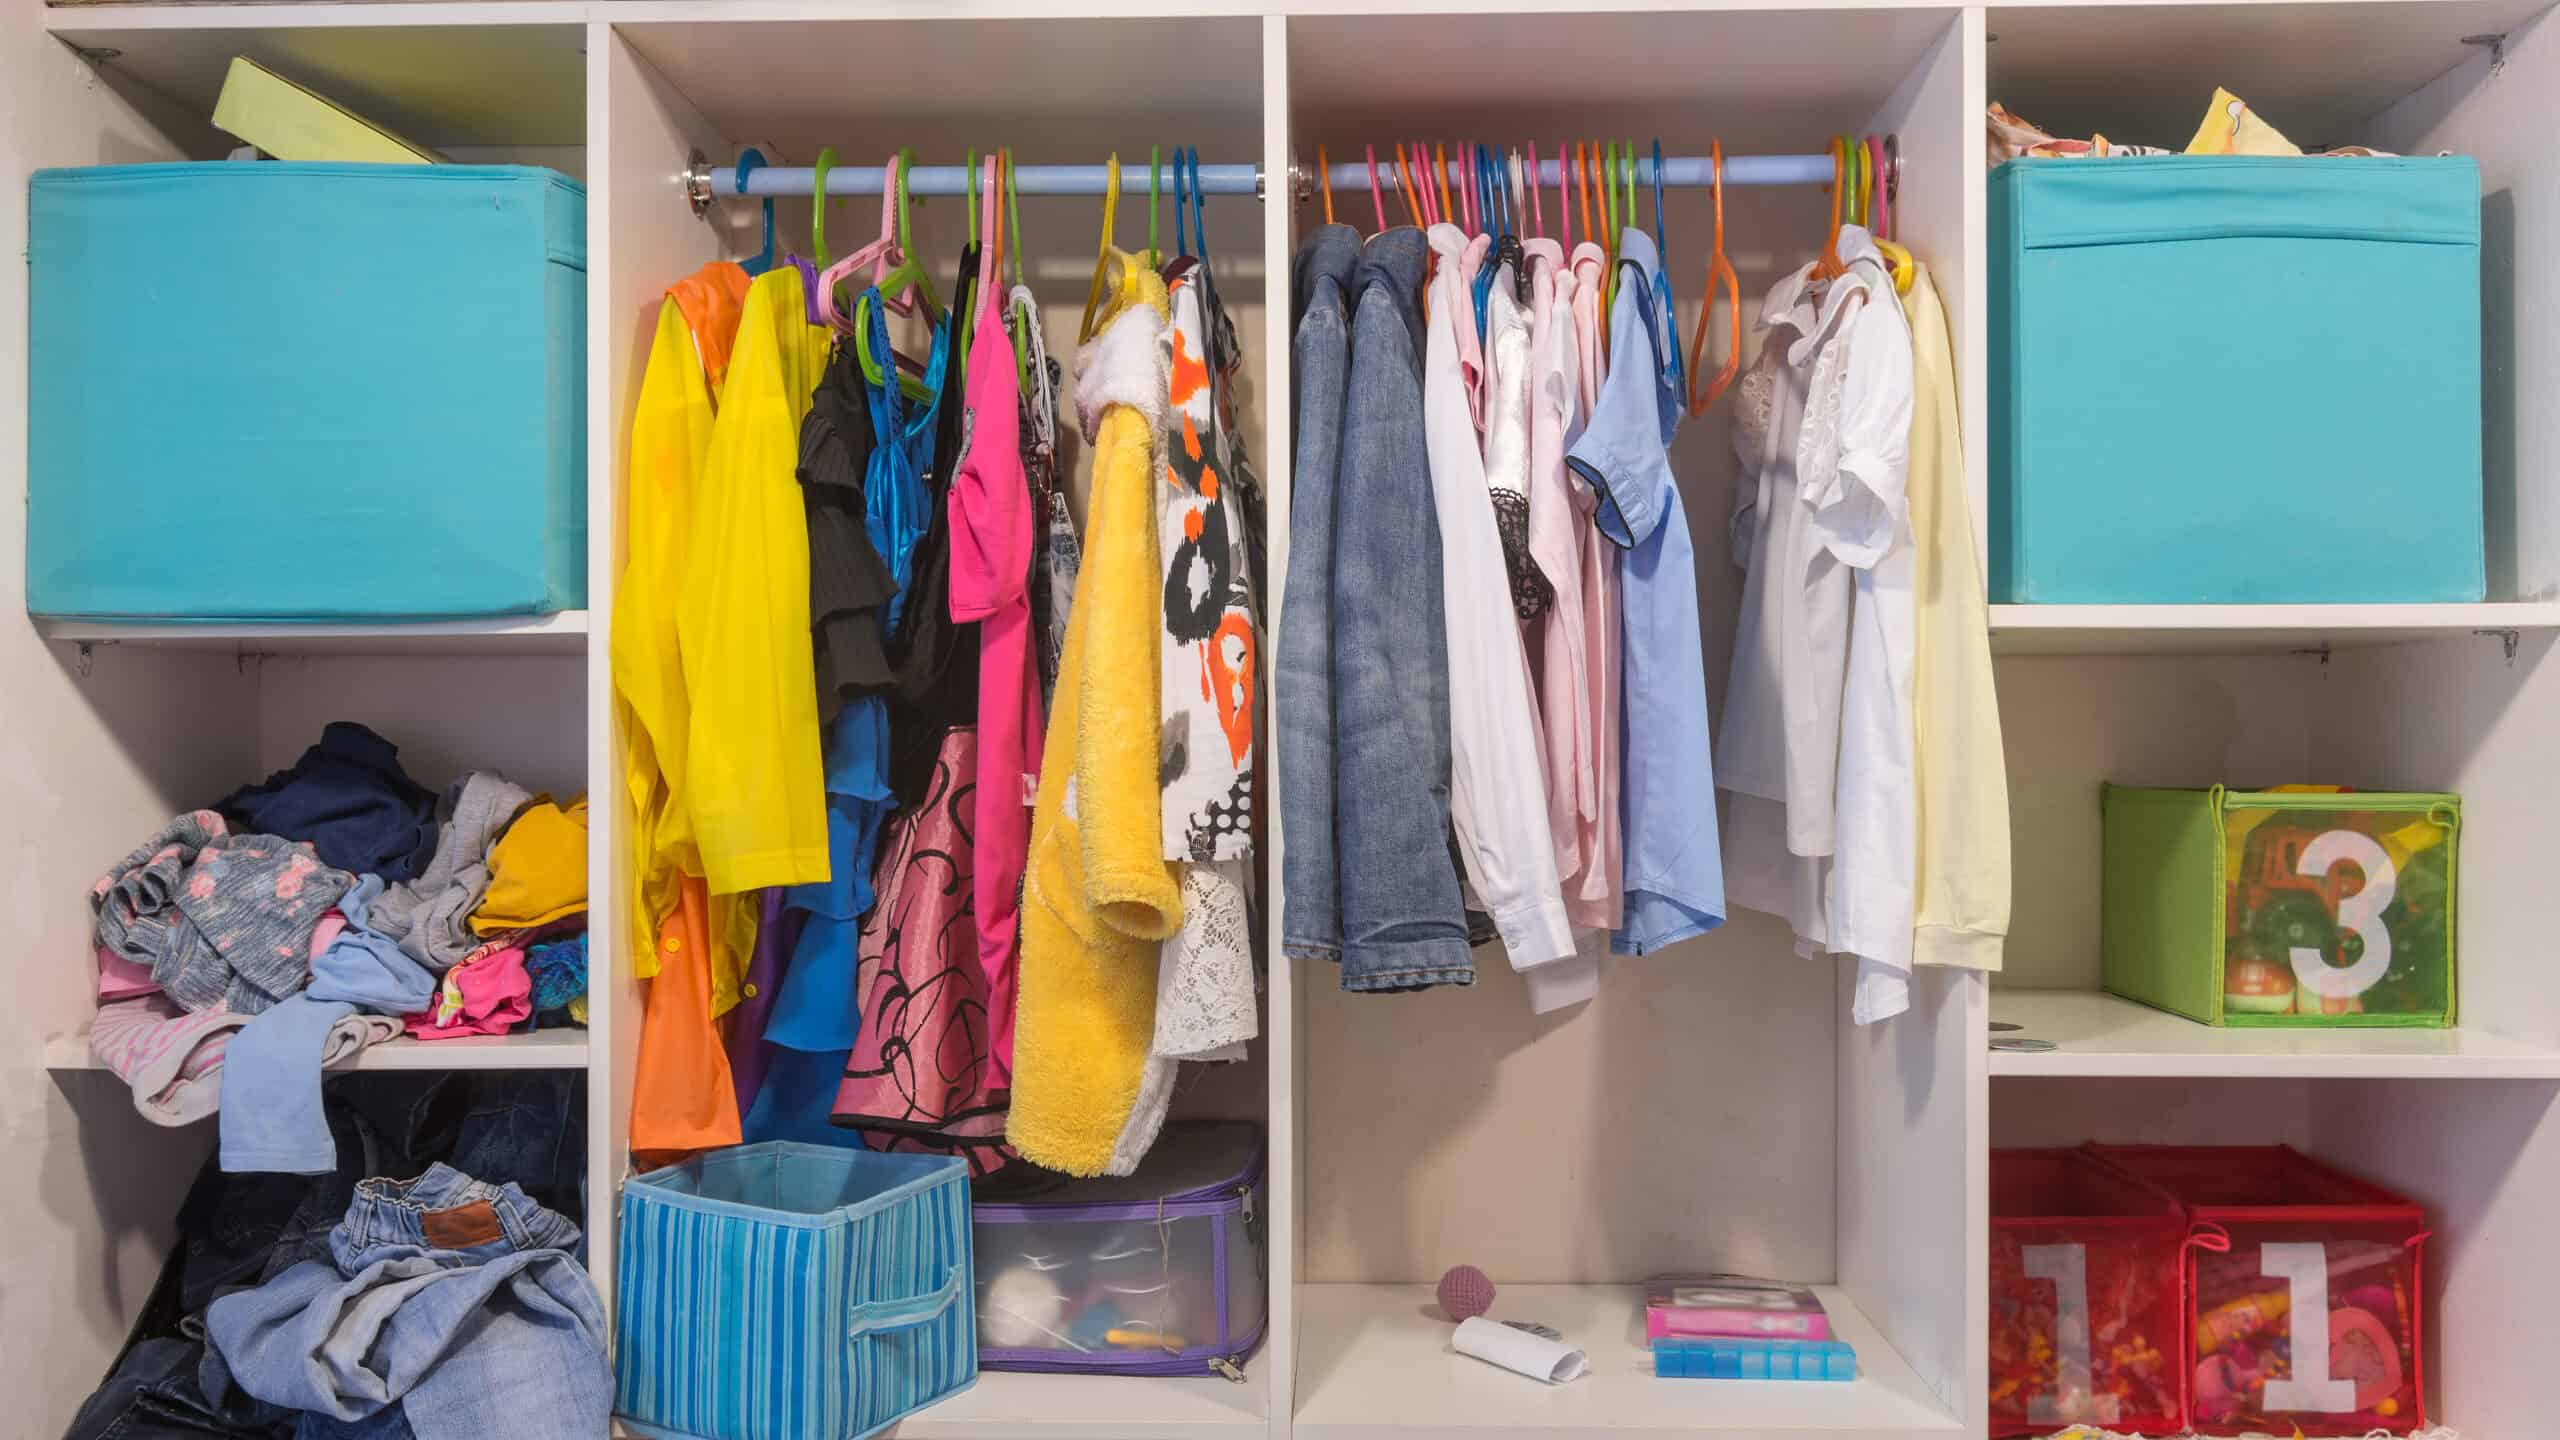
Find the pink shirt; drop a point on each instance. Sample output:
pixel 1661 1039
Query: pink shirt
pixel 991 525
pixel 1596 891
pixel 1559 638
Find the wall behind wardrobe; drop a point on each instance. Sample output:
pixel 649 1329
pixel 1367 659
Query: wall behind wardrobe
pixel 1684 1119
pixel 94 756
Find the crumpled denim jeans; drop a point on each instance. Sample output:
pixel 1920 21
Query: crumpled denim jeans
pixel 169 1388
pixel 459 1300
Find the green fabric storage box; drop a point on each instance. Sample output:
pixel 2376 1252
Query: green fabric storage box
pixel 2235 380
pixel 2282 908
pixel 270 391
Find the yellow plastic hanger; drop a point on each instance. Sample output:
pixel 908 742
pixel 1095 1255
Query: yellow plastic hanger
pixel 1102 259
pixel 1324 181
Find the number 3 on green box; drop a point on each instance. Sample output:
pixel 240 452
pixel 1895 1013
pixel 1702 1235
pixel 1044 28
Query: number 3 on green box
pixel 2360 912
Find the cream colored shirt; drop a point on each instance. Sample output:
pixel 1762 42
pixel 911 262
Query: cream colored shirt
pixel 1963 903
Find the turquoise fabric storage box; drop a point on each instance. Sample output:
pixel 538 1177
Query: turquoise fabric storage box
pixel 2235 380
pixel 271 391
pixel 782 1291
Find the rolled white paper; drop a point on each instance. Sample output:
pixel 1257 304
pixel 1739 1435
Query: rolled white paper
pixel 1519 1351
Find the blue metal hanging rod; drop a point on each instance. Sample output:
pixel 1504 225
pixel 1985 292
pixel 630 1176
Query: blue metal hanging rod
pixel 706 182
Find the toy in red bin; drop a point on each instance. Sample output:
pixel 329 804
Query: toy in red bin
pixel 2304 1283
pixel 2085 1304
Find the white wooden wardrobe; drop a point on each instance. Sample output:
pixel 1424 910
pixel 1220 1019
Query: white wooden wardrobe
pixel 1714 1107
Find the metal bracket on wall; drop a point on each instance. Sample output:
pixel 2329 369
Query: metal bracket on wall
pixel 2321 650
pixel 2496 45
pixel 2507 640
pixel 697 183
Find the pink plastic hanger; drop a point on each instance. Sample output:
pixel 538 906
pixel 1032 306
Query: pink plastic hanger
pixel 879 255
pixel 1537 202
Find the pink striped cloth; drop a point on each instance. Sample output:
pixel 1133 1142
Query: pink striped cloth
pixel 172 1059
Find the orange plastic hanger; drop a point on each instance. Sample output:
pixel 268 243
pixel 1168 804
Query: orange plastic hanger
pixel 1377 201
pixel 1829 266
pixel 1440 180
pixel 1404 185
pixel 1324 180
pixel 1719 271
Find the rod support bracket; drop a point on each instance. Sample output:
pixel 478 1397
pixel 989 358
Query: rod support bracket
pixel 697 183
pixel 2496 45
pixel 2507 640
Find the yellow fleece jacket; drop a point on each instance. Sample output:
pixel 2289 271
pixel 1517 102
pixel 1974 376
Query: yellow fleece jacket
pixel 1099 895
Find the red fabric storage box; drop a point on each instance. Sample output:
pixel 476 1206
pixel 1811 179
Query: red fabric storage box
pixel 2278 1235
pixel 2087 1300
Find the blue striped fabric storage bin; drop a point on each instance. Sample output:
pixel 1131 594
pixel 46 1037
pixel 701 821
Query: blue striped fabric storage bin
pixel 277 392
pixel 2225 379
pixel 783 1291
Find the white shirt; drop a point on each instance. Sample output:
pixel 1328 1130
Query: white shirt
pixel 1845 755
pixel 1500 812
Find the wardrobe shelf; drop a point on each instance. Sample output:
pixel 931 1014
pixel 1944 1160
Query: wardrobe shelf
pixel 1005 1405
pixel 2248 629
pixel 1375 1362
pixel 560 1048
pixel 2098 1034
pixel 450 76
pixel 561 633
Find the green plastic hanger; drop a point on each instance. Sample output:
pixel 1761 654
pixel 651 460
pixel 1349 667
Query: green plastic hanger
pixel 818 210
pixel 1013 216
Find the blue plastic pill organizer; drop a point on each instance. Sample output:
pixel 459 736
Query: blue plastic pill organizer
pixel 1702 1358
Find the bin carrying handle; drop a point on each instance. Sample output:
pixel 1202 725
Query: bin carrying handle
pixel 915 1310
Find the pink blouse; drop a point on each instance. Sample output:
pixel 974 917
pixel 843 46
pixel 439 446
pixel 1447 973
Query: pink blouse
pixel 1595 891
pixel 991 533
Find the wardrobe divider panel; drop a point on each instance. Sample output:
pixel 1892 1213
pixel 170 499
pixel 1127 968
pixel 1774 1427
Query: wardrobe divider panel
pixel 1912 1169
pixel 1280 1041
pixel 642 238
pixel 103 744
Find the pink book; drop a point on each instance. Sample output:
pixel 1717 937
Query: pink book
pixel 1732 1305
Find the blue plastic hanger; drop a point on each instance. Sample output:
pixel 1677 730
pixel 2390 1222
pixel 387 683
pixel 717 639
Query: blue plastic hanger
pixel 1199 207
pixel 1662 282
pixel 1181 206
pixel 762 261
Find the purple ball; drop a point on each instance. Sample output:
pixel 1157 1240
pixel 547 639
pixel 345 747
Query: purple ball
pixel 1465 1292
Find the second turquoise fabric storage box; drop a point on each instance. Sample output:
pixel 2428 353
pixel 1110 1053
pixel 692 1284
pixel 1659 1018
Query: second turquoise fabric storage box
pixel 271 391
pixel 782 1291
pixel 2236 380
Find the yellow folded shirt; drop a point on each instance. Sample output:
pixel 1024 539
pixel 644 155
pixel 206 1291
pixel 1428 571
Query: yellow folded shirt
pixel 537 870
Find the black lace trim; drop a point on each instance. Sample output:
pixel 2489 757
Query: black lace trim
pixel 1531 591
